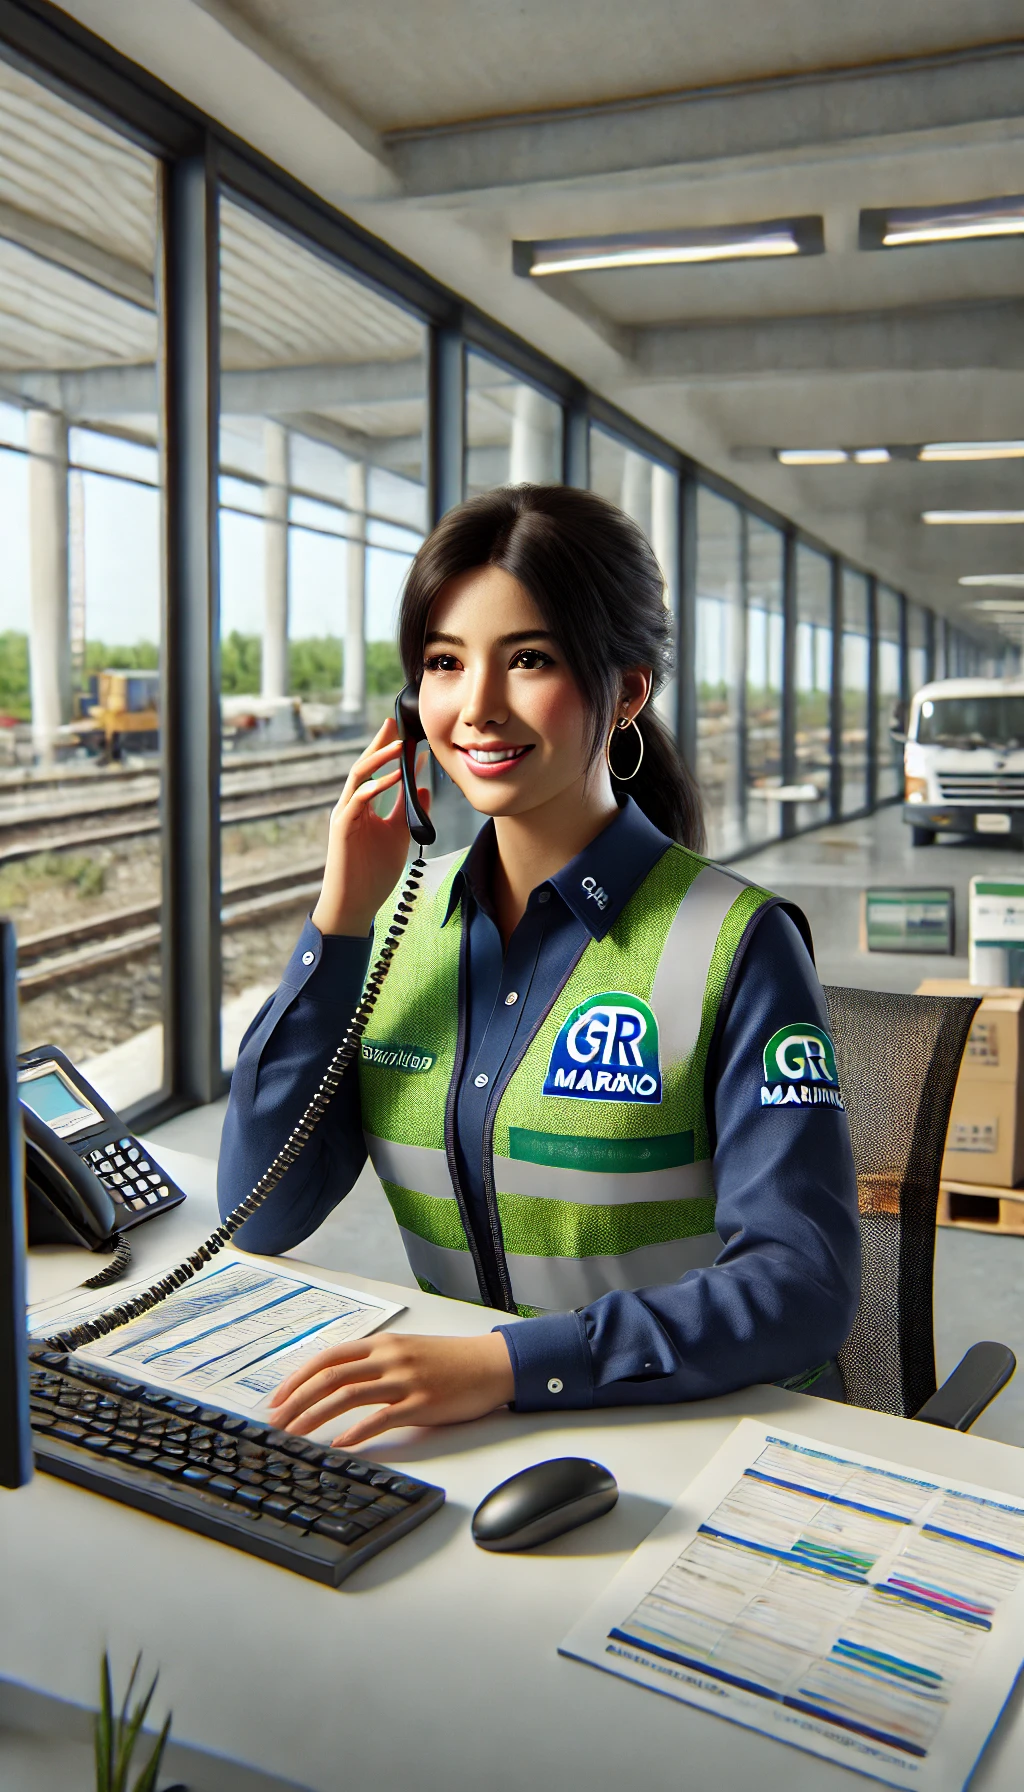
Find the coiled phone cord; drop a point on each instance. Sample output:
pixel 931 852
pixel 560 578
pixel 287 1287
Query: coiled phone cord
pixel 119 1262
pixel 298 1139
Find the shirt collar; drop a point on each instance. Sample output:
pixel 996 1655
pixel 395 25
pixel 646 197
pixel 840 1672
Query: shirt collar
pixel 595 885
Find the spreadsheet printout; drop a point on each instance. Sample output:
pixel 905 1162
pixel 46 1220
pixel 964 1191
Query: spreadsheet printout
pixel 864 1612
pixel 229 1336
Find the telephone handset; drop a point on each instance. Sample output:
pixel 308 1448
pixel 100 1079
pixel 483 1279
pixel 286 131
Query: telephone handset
pixel 87 1180
pixel 407 716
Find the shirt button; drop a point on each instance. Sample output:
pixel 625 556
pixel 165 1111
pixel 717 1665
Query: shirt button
pixel 512 998
pixel 481 1080
pixel 309 958
pixel 554 1385
pixel 545 896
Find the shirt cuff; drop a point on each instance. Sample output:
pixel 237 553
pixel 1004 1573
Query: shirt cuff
pixel 550 1361
pixel 328 967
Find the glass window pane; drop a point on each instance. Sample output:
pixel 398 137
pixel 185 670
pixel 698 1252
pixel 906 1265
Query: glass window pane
pixel 765 631
pixel 513 432
pixel 917 647
pixel 322 507
pixel 649 493
pixel 856 656
pixel 719 669
pixel 888 753
pixel 813 680
pixel 80 587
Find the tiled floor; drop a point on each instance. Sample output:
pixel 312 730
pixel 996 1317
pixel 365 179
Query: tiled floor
pixel 979 1279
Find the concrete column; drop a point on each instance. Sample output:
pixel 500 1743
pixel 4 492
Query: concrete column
pixel 49 629
pixel 531 450
pixel 353 696
pixel 636 488
pixel 665 542
pixel 275 561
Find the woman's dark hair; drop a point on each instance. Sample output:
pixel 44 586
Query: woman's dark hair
pixel 594 578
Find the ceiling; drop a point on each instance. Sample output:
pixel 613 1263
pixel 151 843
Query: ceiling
pixel 454 129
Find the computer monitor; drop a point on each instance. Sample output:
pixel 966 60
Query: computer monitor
pixel 15 1439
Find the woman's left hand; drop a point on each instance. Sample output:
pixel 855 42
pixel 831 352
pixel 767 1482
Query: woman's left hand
pixel 410 1380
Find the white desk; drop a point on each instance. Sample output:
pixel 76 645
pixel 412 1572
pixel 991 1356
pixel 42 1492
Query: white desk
pixel 436 1664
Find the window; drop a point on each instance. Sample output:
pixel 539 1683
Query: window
pixel 649 493
pixel 719 669
pixel 513 432
pixel 813 682
pixel 322 506
pixel 855 662
pixel 888 753
pixel 80 777
pixel 918 654
pixel 764 672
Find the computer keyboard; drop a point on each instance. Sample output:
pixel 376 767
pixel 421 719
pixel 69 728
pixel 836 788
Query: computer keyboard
pixel 315 1510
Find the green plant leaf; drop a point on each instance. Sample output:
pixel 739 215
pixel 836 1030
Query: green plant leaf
pixel 130 1731
pixel 146 1781
pixel 103 1725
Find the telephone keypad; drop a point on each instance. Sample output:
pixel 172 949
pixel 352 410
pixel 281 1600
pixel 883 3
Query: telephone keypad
pixel 127 1174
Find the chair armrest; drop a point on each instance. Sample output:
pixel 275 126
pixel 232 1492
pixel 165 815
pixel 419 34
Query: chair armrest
pixel 978 1378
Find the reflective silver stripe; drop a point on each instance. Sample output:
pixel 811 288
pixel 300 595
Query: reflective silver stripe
pixel 438 869
pixel 677 995
pixel 450 1272
pixel 559 1283
pixel 602 1188
pixel 418 1167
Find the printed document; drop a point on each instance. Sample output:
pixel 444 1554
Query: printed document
pixel 229 1337
pixel 853 1608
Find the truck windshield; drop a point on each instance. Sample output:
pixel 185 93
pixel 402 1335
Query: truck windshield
pixel 971 722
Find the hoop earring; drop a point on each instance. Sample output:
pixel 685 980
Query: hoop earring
pixel 624 777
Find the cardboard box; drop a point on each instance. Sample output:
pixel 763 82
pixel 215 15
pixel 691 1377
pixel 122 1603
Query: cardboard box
pixel 985 1141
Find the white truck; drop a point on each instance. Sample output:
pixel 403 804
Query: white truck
pixel 963 759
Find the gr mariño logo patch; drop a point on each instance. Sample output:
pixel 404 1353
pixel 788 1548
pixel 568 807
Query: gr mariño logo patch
pixel 607 1050
pixel 800 1069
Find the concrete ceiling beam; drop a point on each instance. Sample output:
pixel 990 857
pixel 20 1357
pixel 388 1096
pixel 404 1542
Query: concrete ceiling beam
pixel 779 115
pixel 245 392
pixel 928 339
pixel 65 249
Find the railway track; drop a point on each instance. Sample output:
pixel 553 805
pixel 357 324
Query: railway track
pixel 64 954
pixel 297 786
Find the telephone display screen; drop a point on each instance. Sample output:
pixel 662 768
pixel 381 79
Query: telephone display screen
pixel 53 1096
pixel 49 1097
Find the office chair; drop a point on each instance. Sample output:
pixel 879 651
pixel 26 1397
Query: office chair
pixel 898 1058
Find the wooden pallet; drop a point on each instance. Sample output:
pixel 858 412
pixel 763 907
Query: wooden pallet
pixel 974 1207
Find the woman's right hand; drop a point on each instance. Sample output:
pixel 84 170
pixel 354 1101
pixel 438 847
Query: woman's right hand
pixel 365 851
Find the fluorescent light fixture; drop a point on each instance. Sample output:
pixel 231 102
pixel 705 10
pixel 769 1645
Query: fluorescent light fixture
pixel 911 226
pixel 811 457
pixel 670 248
pixel 871 457
pixel 971 451
pixel 1008 580
pixel 972 516
pixel 999 606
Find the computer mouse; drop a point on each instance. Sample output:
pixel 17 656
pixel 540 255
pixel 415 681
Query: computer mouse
pixel 542 1502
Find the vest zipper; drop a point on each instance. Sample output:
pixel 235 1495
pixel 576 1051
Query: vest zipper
pixel 449 1130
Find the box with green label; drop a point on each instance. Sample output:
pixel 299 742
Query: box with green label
pixel 912 919
pixel 996 933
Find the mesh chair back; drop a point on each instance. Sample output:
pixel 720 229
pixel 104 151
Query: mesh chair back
pixel 898 1058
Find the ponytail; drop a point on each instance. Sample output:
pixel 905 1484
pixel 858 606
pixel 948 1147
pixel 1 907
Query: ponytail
pixel 664 787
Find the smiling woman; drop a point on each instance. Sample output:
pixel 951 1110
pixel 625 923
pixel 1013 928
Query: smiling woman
pixel 566 1087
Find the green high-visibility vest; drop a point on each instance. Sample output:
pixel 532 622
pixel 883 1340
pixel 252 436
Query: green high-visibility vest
pixel 596 1153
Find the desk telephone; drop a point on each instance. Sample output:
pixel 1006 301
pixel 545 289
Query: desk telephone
pixel 87 1180
pixel 70 1186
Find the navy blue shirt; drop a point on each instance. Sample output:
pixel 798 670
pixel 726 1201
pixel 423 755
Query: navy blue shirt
pixel 782 1293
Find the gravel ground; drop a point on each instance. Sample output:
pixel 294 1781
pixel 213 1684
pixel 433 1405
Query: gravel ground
pixel 103 1009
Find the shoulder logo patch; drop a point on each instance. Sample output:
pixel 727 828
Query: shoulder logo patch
pixel 800 1069
pixel 607 1050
